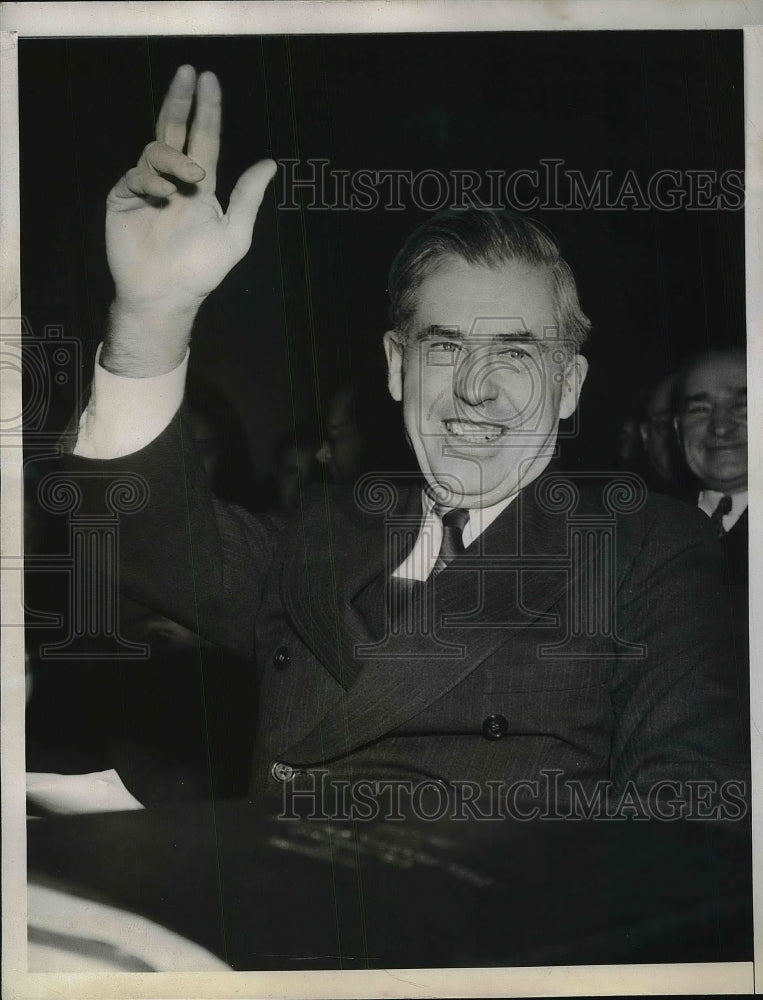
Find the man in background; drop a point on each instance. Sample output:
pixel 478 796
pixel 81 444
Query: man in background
pixel 663 469
pixel 712 427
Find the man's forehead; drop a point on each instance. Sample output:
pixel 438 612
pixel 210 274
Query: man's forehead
pixel 661 397
pixel 457 283
pixel 720 376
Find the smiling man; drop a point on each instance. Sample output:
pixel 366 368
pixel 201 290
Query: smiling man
pixel 712 421
pixel 552 629
pixel 484 352
pixel 712 429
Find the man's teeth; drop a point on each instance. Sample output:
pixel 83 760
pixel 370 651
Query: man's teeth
pixel 474 432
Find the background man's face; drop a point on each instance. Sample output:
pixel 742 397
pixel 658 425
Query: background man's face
pixel 483 379
pixel 343 447
pixel 713 422
pixel 657 432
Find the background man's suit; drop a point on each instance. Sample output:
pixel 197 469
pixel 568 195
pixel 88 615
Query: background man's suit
pixel 302 599
pixel 735 544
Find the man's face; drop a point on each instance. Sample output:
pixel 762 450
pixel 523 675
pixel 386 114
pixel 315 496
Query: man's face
pixel 342 449
pixel 713 422
pixel 657 430
pixel 483 378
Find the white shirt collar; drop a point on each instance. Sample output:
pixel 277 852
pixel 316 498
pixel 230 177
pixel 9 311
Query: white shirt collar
pixel 480 518
pixel 708 500
pixel 422 557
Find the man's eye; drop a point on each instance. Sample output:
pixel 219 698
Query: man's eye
pixel 445 346
pixel 697 410
pixel 442 352
pixel 511 352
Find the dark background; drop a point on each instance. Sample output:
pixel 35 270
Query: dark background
pixel 305 310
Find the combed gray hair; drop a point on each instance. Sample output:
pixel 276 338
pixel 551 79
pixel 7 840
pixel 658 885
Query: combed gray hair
pixel 489 238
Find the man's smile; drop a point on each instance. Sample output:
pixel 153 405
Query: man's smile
pixel 726 446
pixel 474 431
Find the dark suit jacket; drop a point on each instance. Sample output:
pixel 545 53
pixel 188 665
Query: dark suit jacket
pixel 736 582
pixel 735 544
pixel 567 638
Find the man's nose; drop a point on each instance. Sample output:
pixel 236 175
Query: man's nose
pixel 723 421
pixel 475 378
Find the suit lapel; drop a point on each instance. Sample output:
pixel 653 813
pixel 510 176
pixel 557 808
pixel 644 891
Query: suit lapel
pixel 505 582
pixel 333 589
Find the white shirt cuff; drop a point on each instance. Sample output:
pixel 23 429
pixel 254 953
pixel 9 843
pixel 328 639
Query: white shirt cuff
pixel 126 414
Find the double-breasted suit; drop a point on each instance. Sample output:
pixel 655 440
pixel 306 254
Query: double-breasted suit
pixel 580 633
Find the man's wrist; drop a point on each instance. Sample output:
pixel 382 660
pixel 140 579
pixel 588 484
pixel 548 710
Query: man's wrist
pixel 124 414
pixel 144 341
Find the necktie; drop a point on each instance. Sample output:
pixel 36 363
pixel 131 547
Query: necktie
pixel 716 518
pixel 453 524
pixel 404 596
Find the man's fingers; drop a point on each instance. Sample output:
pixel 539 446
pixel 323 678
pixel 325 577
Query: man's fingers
pixel 157 172
pixel 204 140
pixel 246 199
pixel 172 122
pixel 164 159
pixel 142 183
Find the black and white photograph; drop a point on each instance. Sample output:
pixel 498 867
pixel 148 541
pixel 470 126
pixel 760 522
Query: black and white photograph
pixel 376 547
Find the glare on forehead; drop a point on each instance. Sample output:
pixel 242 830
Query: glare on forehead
pixel 480 301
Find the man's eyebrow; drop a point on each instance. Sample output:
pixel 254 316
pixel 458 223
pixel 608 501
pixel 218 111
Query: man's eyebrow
pixel 454 333
pixel 740 392
pixel 434 330
pixel 515 335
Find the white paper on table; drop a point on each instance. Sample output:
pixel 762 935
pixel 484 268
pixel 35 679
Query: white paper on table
pixel 69 934
pixel 100 791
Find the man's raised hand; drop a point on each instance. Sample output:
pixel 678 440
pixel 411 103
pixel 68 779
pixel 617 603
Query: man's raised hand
pixel 168 241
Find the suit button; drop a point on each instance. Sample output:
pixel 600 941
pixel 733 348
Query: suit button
pixel 282 772
pixel 281 657
pixel 494 727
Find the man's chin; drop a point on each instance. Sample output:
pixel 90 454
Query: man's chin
pixel 456 486
pixel 723 479
pixel 729 486
pixel 448 489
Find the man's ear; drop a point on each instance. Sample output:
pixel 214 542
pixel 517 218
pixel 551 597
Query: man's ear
pixel 393 348
pixel 572 383
pixel 677 433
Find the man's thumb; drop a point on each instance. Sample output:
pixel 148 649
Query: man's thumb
pixel 246 199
